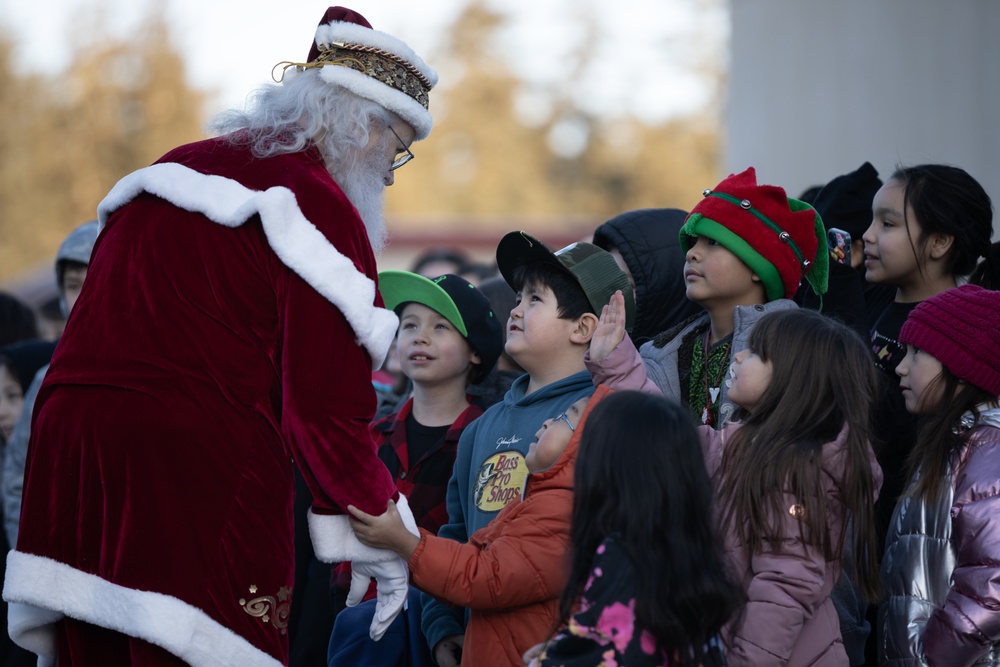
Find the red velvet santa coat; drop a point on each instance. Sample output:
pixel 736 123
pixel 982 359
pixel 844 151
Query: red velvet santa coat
pixel 228 325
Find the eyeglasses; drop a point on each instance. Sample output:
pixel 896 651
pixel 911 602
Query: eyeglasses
pixel 403 155
pixel 563 417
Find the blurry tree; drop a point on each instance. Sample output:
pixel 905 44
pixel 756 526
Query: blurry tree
pixel 66 140
pixel 479 160
pixel 484 160
pixel 502 148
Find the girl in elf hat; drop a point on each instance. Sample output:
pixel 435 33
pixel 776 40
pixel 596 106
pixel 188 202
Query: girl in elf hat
pixel 943 548
pixel 748 247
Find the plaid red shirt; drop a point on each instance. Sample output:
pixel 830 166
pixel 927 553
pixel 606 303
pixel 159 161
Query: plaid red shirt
pixel 423 482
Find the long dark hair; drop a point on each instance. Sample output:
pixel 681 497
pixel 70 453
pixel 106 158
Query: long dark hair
pixel 822 381
pixel 947 200
pixel 640 479
pixel 940 437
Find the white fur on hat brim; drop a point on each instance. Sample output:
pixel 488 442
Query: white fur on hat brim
pixel 395 101
pixel 363 85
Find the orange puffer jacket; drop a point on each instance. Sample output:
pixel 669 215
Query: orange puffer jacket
pixel 510 573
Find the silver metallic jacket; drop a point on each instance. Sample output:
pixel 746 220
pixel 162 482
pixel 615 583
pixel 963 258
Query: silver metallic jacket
pixel 941 567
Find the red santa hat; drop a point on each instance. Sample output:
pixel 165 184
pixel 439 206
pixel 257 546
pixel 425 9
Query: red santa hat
pixel 373 65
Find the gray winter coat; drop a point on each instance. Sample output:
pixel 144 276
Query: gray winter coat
pixel 661 362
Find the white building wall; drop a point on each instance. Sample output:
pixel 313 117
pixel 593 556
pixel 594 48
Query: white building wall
pixel 817 87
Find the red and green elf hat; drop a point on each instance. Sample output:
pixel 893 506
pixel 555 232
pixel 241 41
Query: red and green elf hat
pixel 778 237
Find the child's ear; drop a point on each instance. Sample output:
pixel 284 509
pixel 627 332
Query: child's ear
pixel 754 277
pixel 939 244
pixel 584 329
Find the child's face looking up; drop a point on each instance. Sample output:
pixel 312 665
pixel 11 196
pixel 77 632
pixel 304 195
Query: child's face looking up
pixel 551 439
pixel 431 350
pixel 534 330
pixel 749 378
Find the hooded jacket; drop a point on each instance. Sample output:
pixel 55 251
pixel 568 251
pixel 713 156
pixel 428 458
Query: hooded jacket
pixel 511 573
pixel 941 566
pixel 789 620
pixel 660 369
pixel 648 242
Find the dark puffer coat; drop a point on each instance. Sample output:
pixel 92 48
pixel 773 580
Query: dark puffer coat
pixel 648 242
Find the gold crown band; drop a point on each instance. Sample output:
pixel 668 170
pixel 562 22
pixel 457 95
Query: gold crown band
pixel 385 67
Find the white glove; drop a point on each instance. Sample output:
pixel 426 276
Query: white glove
pixel 392 582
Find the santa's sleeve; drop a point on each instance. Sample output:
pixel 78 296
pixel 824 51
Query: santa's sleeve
pixel 328 400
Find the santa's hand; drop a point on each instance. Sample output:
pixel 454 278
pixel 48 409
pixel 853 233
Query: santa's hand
pixel 391 579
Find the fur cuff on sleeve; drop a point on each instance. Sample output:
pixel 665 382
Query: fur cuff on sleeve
pixel 335 542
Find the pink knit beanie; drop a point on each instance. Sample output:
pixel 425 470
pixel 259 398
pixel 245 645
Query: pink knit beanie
pixel 960 328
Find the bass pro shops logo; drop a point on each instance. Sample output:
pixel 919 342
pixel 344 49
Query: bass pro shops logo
pixel 499 481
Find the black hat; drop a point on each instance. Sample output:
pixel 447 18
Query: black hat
pixel 457 300
pixel 846 201
pixel 592 267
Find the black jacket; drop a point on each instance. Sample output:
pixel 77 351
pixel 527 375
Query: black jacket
pixel 648 242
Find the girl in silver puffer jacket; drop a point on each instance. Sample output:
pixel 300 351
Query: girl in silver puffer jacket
pixel 942 559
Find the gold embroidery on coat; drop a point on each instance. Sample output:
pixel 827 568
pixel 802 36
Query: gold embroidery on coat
pixel 270 609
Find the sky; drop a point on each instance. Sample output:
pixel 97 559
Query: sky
pixel 230 47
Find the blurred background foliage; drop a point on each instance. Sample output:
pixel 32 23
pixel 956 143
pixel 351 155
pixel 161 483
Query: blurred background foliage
pixel 500 150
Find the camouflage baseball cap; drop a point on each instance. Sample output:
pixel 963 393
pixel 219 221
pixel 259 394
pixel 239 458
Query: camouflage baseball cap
pixel 593 268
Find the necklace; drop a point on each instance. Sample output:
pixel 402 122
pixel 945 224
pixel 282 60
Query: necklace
pixel 712 389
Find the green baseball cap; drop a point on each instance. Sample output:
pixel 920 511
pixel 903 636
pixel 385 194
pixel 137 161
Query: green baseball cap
pixel 456 299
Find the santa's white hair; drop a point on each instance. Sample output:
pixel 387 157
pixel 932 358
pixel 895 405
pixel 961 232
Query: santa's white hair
pixel 304 110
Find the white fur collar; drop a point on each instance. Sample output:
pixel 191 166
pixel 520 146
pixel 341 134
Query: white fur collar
pixel 296 241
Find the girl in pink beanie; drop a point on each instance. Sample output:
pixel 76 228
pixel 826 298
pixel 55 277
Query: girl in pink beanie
pixel 941 565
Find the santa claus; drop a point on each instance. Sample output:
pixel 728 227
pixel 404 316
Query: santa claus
pixel 227 331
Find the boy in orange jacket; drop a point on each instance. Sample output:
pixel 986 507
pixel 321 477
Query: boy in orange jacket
pixel 510 573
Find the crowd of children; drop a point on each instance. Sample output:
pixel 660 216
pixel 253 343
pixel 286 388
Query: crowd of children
pixel 666 544
pixel 711 493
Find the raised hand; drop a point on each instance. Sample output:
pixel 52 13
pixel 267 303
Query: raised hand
pixel 610 328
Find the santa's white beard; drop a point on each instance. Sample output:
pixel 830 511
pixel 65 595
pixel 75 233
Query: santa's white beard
pixel 363 184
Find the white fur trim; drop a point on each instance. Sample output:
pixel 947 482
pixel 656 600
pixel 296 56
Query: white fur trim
pixel 344 31
pixel 296 241
pixel 335 542
pixel 41 591
pixel 398 102
pixel 363 85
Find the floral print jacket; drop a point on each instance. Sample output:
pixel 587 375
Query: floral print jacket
pixel 602 631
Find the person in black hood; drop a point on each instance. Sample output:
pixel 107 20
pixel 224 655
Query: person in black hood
pixel 646 246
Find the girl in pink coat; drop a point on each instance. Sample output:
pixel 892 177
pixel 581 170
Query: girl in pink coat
pixel 795 478
pixel 794 475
